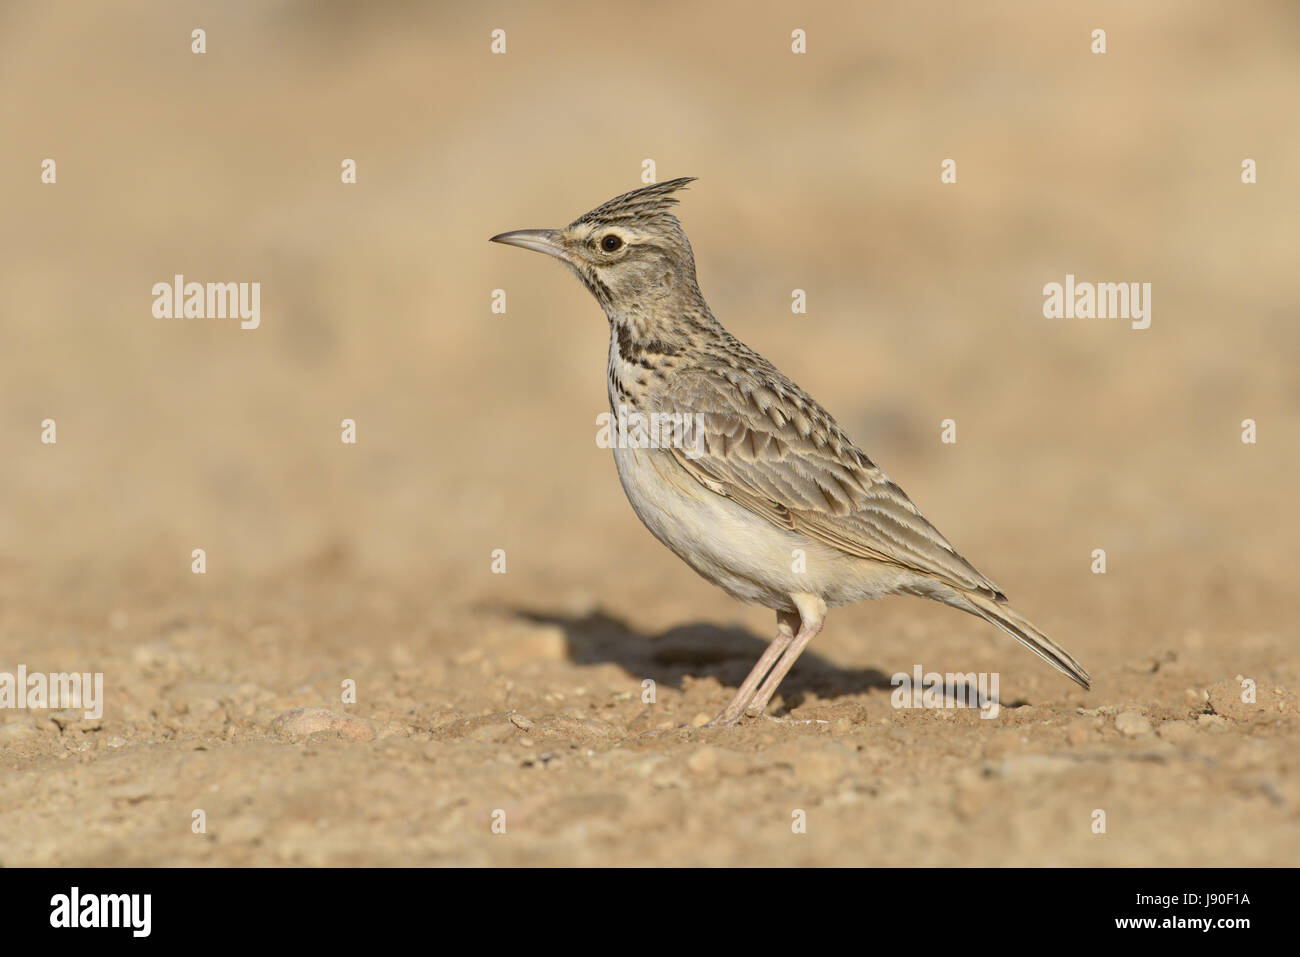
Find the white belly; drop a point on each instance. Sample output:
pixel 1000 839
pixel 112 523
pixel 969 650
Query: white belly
pixel 744 554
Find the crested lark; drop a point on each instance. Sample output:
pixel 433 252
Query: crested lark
pixel 769 472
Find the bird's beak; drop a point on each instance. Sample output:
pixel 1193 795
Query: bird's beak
pixel 538 240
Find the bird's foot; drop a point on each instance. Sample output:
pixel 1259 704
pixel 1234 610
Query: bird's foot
pixel 725 719
pixel 784 719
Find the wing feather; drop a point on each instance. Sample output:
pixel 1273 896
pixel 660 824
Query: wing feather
pixel 768 446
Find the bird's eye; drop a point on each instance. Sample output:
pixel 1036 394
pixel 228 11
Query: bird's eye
pixel 610 243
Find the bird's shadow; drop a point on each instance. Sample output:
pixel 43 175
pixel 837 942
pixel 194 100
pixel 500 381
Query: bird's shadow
pixel 698 650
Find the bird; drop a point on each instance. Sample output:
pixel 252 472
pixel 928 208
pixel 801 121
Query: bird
pixel 762 493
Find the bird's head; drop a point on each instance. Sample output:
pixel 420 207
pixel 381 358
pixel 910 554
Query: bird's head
pixel 627 251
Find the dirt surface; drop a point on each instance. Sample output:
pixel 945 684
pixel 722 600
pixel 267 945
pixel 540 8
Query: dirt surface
pixel 518 699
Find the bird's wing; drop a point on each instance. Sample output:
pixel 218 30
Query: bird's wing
pixel 765 444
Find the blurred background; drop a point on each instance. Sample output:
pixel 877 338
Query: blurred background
pixel 818 171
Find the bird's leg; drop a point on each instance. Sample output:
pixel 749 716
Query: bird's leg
pixel 812 612
pixel 786 623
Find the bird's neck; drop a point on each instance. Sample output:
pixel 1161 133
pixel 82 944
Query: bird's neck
pixel 646 348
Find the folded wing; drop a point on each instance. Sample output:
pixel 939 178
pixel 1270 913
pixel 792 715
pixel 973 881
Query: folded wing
pixel 765 444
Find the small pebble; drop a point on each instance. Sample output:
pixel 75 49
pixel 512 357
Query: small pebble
pixel 1176 732
pixel 703 761
pixel 301 722
pixel 1132 723
pixel 1078 733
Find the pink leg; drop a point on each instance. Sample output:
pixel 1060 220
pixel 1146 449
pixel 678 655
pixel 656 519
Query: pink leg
pixel 812 612
pixel 786 623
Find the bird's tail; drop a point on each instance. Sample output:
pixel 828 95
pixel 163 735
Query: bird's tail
pixel 1020 629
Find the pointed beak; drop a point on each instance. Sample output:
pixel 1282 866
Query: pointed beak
pixel 538 240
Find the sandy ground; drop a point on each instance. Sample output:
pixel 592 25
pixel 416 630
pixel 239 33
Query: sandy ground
pixel 485 699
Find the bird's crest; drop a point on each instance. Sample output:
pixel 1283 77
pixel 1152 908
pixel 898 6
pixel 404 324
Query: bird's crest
pixel 641 206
